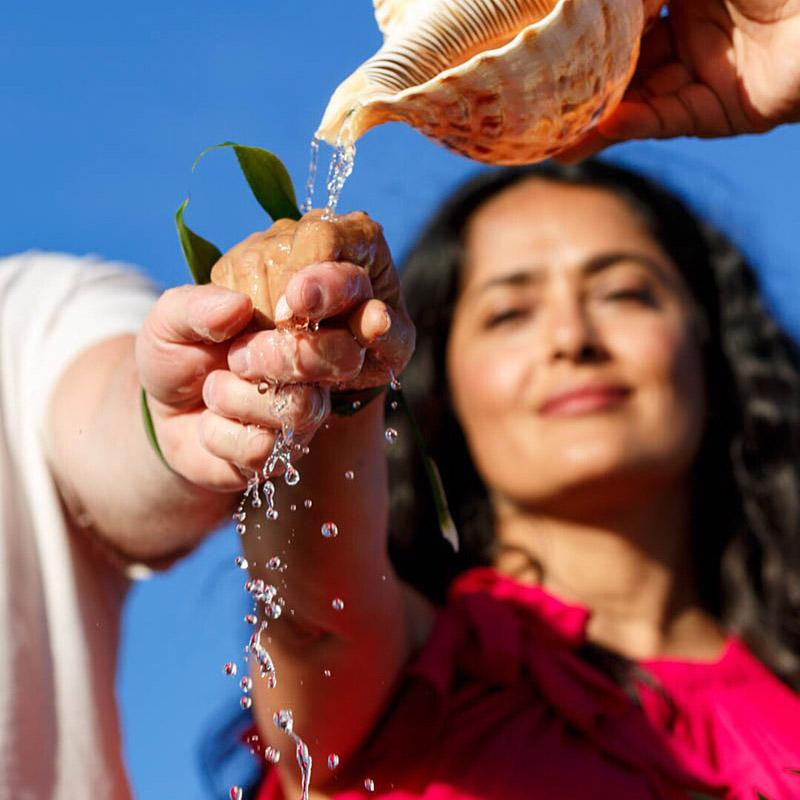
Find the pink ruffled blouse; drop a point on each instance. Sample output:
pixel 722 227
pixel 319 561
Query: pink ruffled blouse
pixel 499 705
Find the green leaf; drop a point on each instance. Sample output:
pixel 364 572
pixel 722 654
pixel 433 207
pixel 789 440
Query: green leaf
pixel 446 524
pixel 150 429
pixel 199 253
pixel 268 179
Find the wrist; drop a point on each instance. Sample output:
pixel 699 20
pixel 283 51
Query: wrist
pixel 349 403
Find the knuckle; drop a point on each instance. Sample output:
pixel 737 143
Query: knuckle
pixel 214 391
pixel 207 429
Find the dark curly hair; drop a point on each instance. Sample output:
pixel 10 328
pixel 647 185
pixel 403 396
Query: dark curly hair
pixel 746 480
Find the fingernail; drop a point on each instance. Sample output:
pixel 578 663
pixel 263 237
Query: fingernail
pixel 282 311
pixel 239 359
pixel 312 296
pixel 385 324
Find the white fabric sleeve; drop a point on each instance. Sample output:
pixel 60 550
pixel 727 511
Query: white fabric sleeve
pixel 53 307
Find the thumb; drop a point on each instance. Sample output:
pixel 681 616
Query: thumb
pixel 196 314
pixel 184 338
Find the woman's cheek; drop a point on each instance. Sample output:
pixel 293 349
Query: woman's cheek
pixel 652 351
pixel 487 381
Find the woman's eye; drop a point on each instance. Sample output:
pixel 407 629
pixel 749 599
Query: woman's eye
pixel 641 295
pixel 505 316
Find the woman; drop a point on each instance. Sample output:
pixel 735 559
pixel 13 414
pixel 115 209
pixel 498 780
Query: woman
pixel 615 417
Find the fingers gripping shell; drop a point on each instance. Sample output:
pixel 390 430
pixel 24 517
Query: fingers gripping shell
pixel 263 264
pixel 500 81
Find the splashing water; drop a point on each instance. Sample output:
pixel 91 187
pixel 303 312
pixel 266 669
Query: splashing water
pixel 284 721
pixel 308 203
pixel 341 168
pixel 230 668
pixel 272 755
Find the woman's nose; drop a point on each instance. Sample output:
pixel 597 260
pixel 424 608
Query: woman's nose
pixel 572 334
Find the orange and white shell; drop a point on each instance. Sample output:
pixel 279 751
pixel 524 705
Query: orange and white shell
pixel 500 81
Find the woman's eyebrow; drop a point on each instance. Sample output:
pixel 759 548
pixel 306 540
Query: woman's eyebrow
pixel 534 273
pixel 604 261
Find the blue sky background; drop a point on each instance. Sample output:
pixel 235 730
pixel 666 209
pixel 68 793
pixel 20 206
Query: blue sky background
pixel 104 106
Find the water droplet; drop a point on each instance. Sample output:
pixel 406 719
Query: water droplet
pixel 284 720
pixel 337 604
pixel 369 784
pixel 292 476
pixel 356 405
pixel 306 450
pixel 349 475
pixel 272 755
pixel 272 514
pixel 251 619
pixel 245 701
pixel 333 761
pixel 230 668
pixel 326 673
pixel 394 404
pixel 395 384
pixel 292 507
pixel 241 529
pixel 307 503
pixel 330 530
pixel 263 387
pixel 246 684
pixel 391 435
pixel 274 563
pixel 241 562
pixel 236 793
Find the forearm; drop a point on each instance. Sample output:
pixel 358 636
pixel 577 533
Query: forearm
pixel 344 479
pixel 112 481
pixel 332 662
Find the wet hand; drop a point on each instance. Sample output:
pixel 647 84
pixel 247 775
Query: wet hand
pixel 340 320
pixel 711 68
pixel 181 355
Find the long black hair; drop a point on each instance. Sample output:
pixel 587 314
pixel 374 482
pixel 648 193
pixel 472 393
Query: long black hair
pixel 746 505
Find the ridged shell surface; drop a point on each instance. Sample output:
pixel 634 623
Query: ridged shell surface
pixel 500 81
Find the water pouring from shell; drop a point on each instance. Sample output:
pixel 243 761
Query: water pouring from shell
pixel 499 81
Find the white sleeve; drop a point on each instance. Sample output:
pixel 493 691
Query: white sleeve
pixel 59 604
pixel 53 307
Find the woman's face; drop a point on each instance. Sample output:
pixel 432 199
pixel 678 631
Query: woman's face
pixel 574 358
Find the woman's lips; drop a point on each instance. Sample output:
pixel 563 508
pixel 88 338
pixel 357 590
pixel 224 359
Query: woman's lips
pixel 584 400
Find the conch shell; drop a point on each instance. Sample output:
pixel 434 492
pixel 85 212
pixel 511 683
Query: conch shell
pixel 500 81
pixel 263 264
